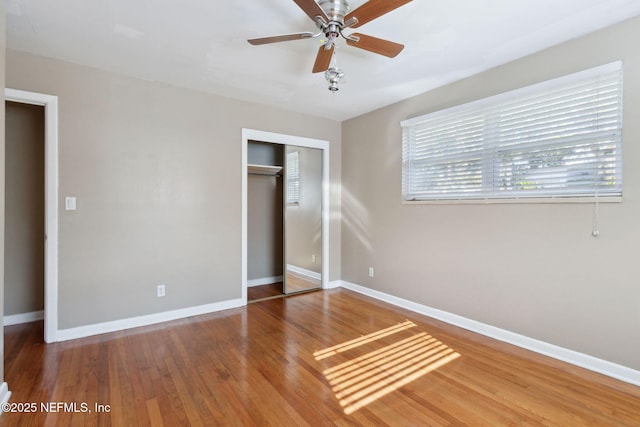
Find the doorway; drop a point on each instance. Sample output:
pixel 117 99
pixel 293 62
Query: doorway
pixel 265 220
pixel 298 178
pixel 50 104
pixel 24 213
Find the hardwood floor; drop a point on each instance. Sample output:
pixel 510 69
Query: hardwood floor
pixel 275 290
pixel 264 291
pixel 323 358
pixel 299 283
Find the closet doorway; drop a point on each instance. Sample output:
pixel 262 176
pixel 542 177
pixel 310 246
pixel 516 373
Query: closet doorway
pixel 24 213
pixel 50 104
pixel 285 222
pixel 265 220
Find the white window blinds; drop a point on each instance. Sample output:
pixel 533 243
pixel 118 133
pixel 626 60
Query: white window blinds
pixel 293 178
pixel 561 138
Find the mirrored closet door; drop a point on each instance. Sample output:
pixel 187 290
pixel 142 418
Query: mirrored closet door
pixel 284 219
pixel 302 219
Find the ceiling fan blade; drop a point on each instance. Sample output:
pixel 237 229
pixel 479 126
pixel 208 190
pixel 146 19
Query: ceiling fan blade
pixel 376 45
pixel 323 59
pixel 311 8
pixel 281 38
pixel 372 10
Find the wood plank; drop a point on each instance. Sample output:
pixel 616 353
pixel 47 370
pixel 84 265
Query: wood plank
pixel 264 291
pixel 330 358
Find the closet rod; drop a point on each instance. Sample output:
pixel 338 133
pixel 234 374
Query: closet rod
pixel 277 175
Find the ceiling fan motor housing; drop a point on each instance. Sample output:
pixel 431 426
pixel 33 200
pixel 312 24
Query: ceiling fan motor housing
pixel 335 9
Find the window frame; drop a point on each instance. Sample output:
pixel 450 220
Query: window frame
pixel 484 197
pixel 292 174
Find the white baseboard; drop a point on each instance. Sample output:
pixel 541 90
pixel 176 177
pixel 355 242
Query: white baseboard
pixel 5 395
pixel 311 276
pixel 595 364
pixel 151 319
pixel 15 319
pixel 333 284
pixel 263 281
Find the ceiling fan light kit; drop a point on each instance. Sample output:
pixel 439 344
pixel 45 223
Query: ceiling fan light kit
pixel 332 17
pixel 333 76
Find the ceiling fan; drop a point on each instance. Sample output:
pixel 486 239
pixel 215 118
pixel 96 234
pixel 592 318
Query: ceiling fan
pixel 332 17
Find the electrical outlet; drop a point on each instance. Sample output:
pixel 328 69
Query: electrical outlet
pixel 313 258
pixel 370 271
pixel 160 291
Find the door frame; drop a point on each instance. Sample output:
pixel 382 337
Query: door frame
pixel 284 139
pixel 50 104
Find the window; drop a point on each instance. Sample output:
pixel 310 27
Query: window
pixel 293 178
pixel 558 139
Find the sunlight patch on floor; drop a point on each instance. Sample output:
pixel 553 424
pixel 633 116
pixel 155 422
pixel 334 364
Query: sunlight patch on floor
pixel 366 378
pixel 365 339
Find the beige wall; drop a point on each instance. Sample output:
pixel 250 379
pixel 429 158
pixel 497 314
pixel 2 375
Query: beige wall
pixel 157 174
pixel 531 269
pixel 264 213
pixel 24 209
pixel 264 227
pixel 3 37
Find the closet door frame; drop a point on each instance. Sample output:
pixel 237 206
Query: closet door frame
pixel 284 139
pixel 50 104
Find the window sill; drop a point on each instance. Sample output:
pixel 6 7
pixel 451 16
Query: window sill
pixel 538 200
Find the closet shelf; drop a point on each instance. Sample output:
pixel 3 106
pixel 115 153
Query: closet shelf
pixel 263 170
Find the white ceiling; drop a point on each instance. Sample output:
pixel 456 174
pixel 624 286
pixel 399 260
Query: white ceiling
pixel 201 44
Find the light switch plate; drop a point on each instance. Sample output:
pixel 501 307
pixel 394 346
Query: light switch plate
pixel 70 203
